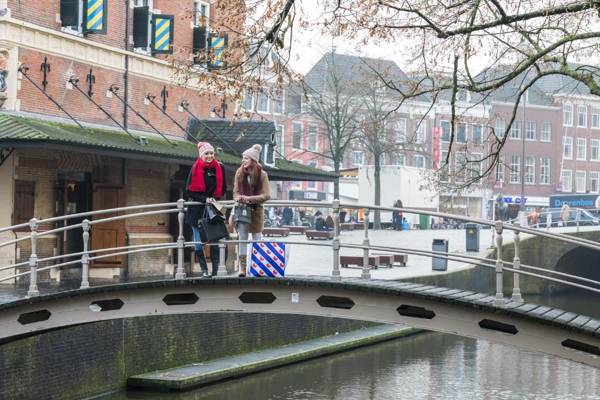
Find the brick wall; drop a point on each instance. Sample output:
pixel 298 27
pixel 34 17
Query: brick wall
pixel 90 359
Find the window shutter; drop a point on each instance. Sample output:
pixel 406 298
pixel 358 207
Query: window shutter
pixel 69 13
pixel 216 46
pixel 24 201
pixel 95 16
pixel 199 43
pixel 162 34
pixel 141 16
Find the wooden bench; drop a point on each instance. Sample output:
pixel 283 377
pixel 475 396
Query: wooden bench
pixel 276 231
pixel 346 261
pixel 358 226
pixel 347 226
pixel 392 259
pixel 296 229
pixel 311 234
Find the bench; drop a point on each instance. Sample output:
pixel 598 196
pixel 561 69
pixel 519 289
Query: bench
pixel 276 231
pixel 358 226
pixel 347 226
pixel 311 234
pixel 346 261
pixel 391 259
pixel 296 229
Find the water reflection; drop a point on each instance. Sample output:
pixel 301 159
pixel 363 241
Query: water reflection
pixel 427 366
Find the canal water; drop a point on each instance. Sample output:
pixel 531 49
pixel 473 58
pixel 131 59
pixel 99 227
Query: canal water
pixel 425 366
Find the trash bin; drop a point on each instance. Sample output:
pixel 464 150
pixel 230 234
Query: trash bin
pixel 424 221
pixel 472 232
pixel 439 264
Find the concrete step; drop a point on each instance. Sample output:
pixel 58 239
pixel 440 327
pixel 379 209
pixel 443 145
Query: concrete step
pixel 200 374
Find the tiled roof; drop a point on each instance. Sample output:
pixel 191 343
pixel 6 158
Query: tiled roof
pixel 18 131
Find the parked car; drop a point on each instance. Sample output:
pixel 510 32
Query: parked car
pixel 585 217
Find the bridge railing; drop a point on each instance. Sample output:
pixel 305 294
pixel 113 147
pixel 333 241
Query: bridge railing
pixel 82 259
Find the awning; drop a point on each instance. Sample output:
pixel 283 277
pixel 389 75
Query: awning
pixel 23 132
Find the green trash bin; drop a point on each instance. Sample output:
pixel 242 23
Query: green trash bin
pixel 424 221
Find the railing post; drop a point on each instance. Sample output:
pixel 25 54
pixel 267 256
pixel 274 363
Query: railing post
pixel 180 273
pixel 222 270
pixel 516 294
pixel 499 289
pixel 366 271
pixel 335 243
pixel 85 257
pixel 577 218
pixel 548 220
pixel 33 289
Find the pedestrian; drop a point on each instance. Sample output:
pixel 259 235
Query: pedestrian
pixel 205 184
pixel 288 215
pixel 343 214
pixel 565 214
pixel 320 222
pixel 251 186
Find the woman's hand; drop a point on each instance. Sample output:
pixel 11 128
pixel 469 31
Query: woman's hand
pixel 210 200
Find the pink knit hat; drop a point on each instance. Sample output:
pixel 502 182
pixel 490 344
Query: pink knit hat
pixel 203 147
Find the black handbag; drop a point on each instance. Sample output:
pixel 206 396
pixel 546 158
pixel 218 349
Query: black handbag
pixel 212 229
pixel 242 213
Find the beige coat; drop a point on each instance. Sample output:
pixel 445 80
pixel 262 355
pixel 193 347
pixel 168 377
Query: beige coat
pixel 258 214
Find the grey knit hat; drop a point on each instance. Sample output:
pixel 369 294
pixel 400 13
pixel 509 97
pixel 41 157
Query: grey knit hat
pixel 253 152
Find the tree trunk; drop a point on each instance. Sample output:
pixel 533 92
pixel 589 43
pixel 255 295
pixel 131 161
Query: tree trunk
pixel 336 181
pixel 377 213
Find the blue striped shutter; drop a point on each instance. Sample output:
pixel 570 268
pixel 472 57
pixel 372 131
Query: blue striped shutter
pixel 216 45
pixel 95 16
pixel 162 34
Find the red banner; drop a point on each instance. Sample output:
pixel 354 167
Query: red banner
pixel 436 147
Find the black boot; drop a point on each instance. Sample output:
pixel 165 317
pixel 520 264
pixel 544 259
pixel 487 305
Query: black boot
pixel 215 257
pixel 202 261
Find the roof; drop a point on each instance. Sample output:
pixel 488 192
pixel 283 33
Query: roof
pixel 17 131
pixel 233 135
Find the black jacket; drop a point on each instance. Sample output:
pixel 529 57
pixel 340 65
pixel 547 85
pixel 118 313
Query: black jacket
pixel 194 213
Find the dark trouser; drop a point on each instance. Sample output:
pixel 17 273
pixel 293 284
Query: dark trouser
pixel 214 254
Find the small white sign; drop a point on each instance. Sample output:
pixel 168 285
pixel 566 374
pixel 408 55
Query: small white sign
pixel 295 298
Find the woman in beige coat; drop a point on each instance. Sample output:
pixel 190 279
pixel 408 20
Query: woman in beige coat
pixel 251 186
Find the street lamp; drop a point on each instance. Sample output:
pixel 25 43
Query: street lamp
pixel 523 132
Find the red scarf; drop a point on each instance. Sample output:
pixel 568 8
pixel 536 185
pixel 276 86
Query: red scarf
pixel 197 183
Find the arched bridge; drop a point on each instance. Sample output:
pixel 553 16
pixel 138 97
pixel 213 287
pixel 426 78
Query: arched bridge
pixel 528 326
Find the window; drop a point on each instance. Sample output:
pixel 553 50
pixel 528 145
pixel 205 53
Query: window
pixel 461 133
pixel 515 169
pixel 580 181
pixel 477 137
pixel 530 132
pixel 312 184
pixel 312 137
pixel 278 103
pixel 515 130
pixel 460 167
pixel 545 170
pixel 297 135
pixel 248 103
pixel 500 127
pixel 581 148
pixel 581 115
pixel 595 150
pixel 568 114
pixel 445 131
pixel 24 197
pixel 279 137
pixel 500 171
pixel 475 166
pixel 71 17
pixel 399 159
pixel 594 182
pixel 419 161
pixel 400 130
pixel 357 158
pixel 262 104
pixel 382 159
pixel 444 167
pixel 421 133
pixel 566 179
pixel 546 134
pixel 596 117
pixel 568 147
pixel 201 14
pixel 529 170
pixel 142 22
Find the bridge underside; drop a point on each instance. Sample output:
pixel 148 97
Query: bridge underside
pixel 528 326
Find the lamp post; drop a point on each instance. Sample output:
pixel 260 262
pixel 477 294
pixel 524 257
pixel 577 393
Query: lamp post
pixel 523 133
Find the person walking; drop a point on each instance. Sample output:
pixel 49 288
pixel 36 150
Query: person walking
pixel 205 184
pixel 565 214
pixel 251 187
pixel 288 215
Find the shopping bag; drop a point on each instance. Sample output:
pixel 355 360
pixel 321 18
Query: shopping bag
pixel 267 259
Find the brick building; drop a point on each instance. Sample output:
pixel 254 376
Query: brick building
pixel 122 127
